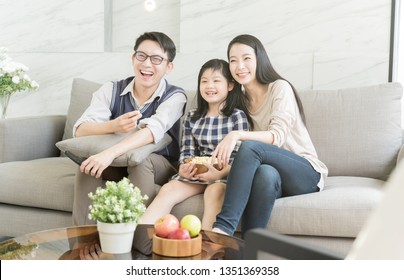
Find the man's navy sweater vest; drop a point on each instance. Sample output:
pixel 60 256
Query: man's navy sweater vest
pixel 126 103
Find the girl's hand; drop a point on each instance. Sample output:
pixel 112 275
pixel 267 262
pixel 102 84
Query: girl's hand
pixel 187 170
pixel 96 164
pixel 211 175
pixel 225 148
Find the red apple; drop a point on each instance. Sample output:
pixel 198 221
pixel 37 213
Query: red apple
pixel 180 233
pixel 165 225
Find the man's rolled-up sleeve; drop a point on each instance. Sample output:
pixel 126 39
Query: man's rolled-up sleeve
pixel 165 117
pixel 99 110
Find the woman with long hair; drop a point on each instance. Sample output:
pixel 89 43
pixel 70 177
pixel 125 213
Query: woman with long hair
pixel 277 158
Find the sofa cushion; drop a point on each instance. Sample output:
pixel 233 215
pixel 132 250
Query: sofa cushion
pixel 356 132
pixel 340 210
pixel 80 98
pixel 89 145
pixel 44 183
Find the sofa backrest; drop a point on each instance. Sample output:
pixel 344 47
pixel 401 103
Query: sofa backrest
pixel 357 131
pixel 80 98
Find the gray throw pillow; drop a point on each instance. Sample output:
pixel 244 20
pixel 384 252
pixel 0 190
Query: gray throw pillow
pixel 89 145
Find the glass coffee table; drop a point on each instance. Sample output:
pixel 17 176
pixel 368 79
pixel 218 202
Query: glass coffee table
pixel 75 243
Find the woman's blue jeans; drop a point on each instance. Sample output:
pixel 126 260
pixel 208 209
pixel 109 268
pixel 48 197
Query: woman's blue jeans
pixel 260 174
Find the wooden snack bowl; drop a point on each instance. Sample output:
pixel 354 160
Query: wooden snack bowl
pixel 201 167
pixel 177 248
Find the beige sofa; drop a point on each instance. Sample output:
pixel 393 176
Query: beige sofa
pixel 357 133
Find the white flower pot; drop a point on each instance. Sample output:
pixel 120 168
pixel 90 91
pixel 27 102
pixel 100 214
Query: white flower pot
pixel 116 238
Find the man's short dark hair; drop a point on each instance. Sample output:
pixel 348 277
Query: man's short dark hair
pixel 162 39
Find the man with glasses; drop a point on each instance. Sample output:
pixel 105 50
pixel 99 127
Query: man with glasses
pixel 146 107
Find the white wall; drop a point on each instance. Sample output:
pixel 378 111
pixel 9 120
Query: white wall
pixel 313 43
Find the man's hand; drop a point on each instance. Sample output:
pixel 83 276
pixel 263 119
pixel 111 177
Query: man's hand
pixel 126 122
pixel 95 165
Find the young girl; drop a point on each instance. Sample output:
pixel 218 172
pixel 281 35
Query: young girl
pixel 278 158
pixel 220 106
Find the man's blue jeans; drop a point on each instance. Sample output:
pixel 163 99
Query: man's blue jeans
pixel 260 174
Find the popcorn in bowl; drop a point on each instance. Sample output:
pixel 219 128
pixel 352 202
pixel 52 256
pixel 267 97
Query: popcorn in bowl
pixel 200 162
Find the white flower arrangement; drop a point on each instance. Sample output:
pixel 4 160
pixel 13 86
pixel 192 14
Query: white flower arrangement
pixel 13 77
pixel 118 202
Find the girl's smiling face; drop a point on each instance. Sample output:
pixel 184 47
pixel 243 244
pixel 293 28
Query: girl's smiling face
pixel 243 63
pixel 214 87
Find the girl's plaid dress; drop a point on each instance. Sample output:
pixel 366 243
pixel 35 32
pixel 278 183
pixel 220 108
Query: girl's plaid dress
pixel 200 137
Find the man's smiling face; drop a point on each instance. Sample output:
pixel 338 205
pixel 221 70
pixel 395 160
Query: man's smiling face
pixel 147 74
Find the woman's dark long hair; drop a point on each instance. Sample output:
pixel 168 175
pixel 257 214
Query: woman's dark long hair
pixel 235 99
pixel 265 72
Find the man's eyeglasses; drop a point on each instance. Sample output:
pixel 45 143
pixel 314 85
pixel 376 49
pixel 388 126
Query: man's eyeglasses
pixel 155 59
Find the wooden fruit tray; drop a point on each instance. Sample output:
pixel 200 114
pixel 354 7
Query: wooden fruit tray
pixel 177 248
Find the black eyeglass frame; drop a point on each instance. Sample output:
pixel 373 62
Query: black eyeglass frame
pixel 152 58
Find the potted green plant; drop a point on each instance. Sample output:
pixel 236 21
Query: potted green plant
pixel 117 208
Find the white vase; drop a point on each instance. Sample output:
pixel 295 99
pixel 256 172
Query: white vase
pixel 116 238
pixel 4 100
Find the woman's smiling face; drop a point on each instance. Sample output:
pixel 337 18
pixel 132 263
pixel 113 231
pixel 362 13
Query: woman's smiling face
pixel 243 63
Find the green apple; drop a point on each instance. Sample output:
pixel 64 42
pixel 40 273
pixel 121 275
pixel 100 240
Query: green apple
pixel 192 224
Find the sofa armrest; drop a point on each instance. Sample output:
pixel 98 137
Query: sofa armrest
pixel 27 138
